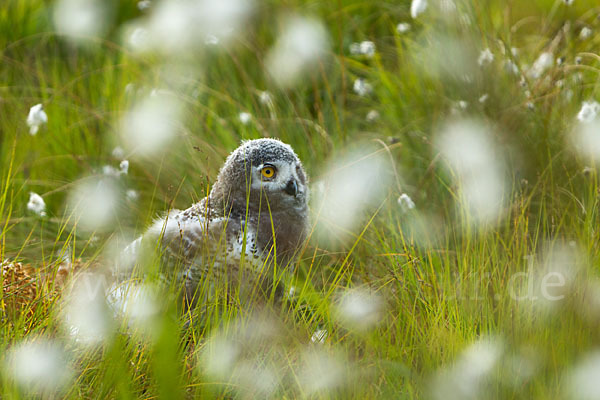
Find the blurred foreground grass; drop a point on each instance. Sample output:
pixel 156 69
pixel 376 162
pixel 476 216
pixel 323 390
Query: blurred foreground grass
pixel 443 302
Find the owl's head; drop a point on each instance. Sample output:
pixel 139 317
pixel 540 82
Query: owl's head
pixel 263 169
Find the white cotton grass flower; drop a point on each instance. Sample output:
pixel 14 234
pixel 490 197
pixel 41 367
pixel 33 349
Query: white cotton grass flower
pixel 544 62
pixel 372 116
pixel 219 357
pixel 359 309
pixel 467 377
pixel 179 27
pixel 300 47
pixel 211 40
pixel 472 157
pixel 36 118
pixel 39 366
pixel 109 170
pixel 150 125
pixel 485 57
pixel 93 203
pixel 354 184
pixel 254 379
pixel 586 135
pixel 118 153
pixel 585 33
pixel 483 98
pixel 589 111
pixel 36 204
pixel 265 98
pixel 124 167
pixel 361 87
pixel 320 372
pixel 245 118
pixel 403 27
pixel 137 38
pixel 365 48
pixel 417 7
pixel 406 203
pixel 85 312
pixel 144 5
pixel 81 19
pixel 582 380
pixel 131 195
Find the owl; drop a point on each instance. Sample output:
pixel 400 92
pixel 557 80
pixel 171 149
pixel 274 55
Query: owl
pixel 255 218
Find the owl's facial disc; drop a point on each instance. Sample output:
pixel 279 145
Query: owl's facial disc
pixel 281 182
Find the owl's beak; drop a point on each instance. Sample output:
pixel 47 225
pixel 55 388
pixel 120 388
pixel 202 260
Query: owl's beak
pixel 291 188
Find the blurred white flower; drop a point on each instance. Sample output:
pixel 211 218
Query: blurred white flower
pixel 543 63
pixel 417 7
pixel 466 378
pixel 300 47
pixel 85 314
pixel 584 377
pixel 266 98
pixel 93 203
pixel 211 40
pixel 320 372
pixel 355 182
pixel 179 27
pixel 405 202
pixel 585 33
pixel 403 27
pixel 485 57
pixel 372 116
pixel 219 357
pixel 118 153
pixel 367 48
pixel 586 136
pixel 138 39
pixel 254 379
pixel 124 167
pixel 36 117
pixel 109 170
pixel 39 366
pixel 362 87
pixel 245 117
pixel 568 2
pixel 144 5
pixel 359 309
pixel 483 98
pixel 151 123
pixel 468 147
pixel 36 204
pixel 319 336
pixel 131 195
pixel 589 111
pixel 79 19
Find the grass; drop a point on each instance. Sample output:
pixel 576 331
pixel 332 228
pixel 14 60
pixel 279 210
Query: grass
pixel 443 281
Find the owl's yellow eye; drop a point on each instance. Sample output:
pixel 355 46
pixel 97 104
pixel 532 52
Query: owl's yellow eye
pixel 268 171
